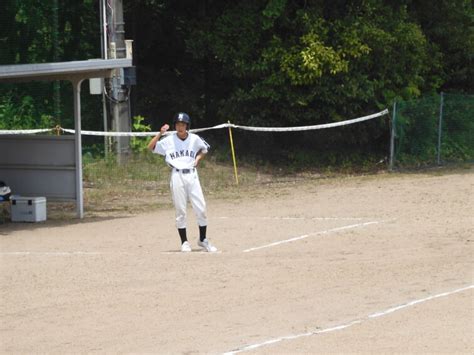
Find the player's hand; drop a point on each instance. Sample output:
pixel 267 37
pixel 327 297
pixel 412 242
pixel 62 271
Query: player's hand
pixel 164 128
pixel 196 162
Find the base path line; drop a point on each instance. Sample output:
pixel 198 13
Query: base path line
pixel 346 325
pixel 297 218
pixel 312 235
pixel 194 252
pixel 54 253
pixel 314 218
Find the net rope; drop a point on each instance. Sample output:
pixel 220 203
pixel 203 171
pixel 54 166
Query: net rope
pixel 220 126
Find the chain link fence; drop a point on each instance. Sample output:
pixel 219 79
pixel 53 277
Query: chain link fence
pixel 433 130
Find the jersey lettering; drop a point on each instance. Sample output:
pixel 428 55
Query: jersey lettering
pixel 181 154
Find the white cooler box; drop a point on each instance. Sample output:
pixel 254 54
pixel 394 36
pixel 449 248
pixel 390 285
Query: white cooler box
pixel 28 209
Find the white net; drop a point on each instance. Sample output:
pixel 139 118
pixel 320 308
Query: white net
pixel 221 126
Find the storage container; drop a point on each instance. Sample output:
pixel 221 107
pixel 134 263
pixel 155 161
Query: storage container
pixel 28 209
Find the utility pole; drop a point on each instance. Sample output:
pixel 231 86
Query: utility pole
pixel 119 93
pixel 105 55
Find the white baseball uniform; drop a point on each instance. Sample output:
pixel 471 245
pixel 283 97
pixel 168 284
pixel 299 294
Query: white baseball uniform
pixel 180 155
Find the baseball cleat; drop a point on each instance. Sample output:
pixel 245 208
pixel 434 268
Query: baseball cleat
pixel 207 246
pixel 186 247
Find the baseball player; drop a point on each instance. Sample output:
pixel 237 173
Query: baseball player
pixel 183 151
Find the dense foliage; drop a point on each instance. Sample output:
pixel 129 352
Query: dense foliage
pixel 278 62
pixel 35 31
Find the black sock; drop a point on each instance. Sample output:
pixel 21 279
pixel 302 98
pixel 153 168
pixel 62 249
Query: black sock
pixel 182 234
pixel 202 232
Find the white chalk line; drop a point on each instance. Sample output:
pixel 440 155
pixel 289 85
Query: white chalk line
pixel 194 252
pixel 297 218
pixel 53 253
pixel 347 325
pixel 91 253
pixel 312 235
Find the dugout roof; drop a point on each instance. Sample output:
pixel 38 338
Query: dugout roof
pixel 75 72
pixel 84 69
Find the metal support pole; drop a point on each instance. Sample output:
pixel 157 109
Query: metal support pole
pixel 56 83
pixel 103 29
pixel 392 136
pixel 76 86
pixel 440 127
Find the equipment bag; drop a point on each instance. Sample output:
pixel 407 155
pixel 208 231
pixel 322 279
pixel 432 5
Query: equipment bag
pixel 5 192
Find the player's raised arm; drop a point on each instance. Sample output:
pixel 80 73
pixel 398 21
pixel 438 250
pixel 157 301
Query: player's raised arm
pixel 151 145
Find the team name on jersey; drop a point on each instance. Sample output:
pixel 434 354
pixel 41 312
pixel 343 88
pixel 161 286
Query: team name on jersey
pixel 183 153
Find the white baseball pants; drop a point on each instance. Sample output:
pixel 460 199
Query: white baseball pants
pixel 183 187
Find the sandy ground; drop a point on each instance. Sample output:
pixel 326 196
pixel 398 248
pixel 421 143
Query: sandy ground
pixel 302 268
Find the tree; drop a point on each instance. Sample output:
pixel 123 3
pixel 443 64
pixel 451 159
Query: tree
pixel 311 63
pixel 30 36
pixel 449 26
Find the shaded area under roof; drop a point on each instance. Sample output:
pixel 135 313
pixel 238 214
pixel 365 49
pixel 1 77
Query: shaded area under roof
pixel 75 72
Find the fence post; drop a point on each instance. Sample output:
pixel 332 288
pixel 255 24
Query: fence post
pixel 440 126
pixel 233 154
pixel 392 136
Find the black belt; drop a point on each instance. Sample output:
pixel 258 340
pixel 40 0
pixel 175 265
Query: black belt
pixel 185 171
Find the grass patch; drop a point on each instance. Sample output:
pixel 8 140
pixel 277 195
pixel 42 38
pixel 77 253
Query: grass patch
pixel 142 182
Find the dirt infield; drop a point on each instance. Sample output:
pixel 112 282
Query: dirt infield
pixel 375 264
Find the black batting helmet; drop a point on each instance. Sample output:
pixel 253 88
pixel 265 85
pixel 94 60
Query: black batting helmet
pixel 182 117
